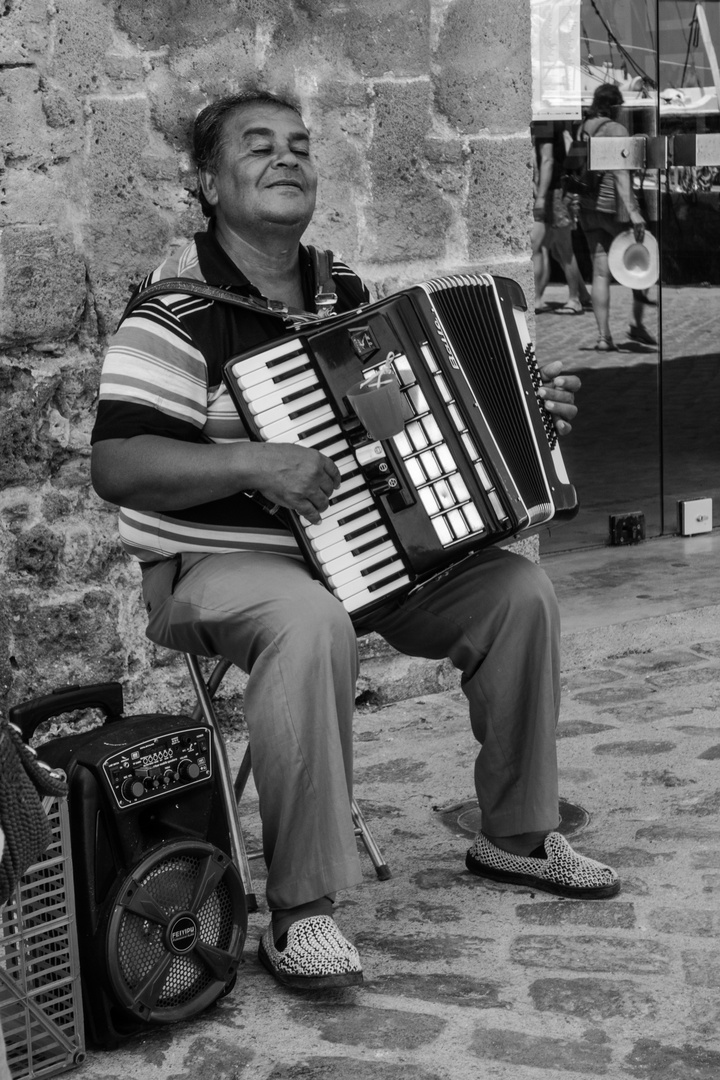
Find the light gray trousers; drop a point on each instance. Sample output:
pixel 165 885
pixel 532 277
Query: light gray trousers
pixel 497 621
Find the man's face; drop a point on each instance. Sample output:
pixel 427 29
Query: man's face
pixel 266 175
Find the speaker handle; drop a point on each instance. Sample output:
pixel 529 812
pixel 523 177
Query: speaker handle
pixel 108 697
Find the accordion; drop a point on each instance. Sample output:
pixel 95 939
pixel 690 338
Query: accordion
pixel 476 460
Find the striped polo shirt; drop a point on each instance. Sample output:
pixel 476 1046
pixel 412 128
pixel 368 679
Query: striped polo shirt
pixel 162 375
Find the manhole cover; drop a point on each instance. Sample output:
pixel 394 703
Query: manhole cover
pixel 466 817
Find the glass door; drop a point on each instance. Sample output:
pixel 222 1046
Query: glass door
pixel 647 439
pixel 689 45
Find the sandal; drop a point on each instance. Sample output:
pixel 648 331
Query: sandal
pixel 316 957
pixel 562 872
pixel 569 309
pixel 605 344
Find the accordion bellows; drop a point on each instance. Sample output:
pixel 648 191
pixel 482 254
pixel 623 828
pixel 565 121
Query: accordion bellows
pixel 477 460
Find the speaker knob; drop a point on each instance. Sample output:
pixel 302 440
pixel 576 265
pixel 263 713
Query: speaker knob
pixel 132 788
pixel 188 770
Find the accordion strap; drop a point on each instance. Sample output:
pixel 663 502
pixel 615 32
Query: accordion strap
pixel 325 296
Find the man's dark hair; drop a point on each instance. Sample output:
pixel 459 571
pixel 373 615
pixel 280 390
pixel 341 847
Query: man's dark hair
pixel 208 135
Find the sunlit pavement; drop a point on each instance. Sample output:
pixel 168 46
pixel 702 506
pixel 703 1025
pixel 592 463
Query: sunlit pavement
pixel 467 979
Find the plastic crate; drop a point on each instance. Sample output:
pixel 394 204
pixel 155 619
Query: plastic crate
pixel 40 995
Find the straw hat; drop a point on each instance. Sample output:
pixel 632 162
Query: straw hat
pixel 634 265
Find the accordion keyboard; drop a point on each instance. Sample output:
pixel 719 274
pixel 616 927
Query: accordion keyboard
pixel 351 544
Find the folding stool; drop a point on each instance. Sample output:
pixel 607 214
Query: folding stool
pixel 205 690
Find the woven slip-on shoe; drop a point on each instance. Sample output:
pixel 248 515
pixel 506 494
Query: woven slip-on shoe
pixel 316 957
pixel 564 872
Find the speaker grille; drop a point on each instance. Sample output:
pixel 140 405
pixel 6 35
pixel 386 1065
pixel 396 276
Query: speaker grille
pixel 199 884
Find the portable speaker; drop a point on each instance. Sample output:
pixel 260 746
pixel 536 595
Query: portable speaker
pixel 161 911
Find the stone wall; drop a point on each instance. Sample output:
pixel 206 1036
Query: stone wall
pixel 420 111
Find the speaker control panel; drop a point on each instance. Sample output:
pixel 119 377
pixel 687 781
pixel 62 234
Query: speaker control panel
pixel 157 766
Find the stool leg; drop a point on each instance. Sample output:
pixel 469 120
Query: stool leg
pixel 205 710
pixel 362 830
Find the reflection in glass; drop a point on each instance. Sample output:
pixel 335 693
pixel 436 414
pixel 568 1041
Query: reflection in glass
pixel 647 434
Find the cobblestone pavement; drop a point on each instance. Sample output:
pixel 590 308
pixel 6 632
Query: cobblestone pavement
pixel 466 979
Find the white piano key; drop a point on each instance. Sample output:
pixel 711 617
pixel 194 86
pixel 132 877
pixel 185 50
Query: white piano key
pixel 284 429
pixel 346 464
pixel 346 533
pixel 261 360
pixel 347 490
pixel 330 520
pixel 319 441
pixel 346 566
pixel 253 375
pixel 330 557
pixel 347 569
pixel 358 594
pixel 285 410
pixel 278 395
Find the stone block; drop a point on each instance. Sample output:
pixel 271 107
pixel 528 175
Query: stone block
pixel 483 80
pixel 42 285
pixel 580 952
pixel 450 989
pixel 639 748
pixel 342 168
pixel 498 204
pixel 24 32
pixel 174 103
pixel 524 1050
pixel 395 677
pixel 407 217
pixel 689 830
pixel 128 232
pixel 65 119
pixel 83 34
pixel 330 1067
pixel 705 860
pixel 702 967
pixel 155 24
pixel 36 553
pixel 62 641
pixel 697 923
pixel 124 67
pixel 651 1058
pixel 370 32
pixel 23 130
pixel 592 999
pixel 372 1029
pixel 577 913
pixel 25 454
pixel 413 949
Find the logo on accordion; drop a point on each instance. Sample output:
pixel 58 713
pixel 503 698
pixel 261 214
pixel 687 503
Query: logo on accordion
pixel 363 341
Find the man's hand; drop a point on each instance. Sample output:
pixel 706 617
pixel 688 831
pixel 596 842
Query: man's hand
pixel 638 224
pixel 558 395
pixel 302 480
